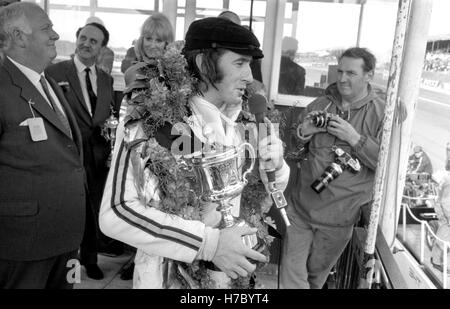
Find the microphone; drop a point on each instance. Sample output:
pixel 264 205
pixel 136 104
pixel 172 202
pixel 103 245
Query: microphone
pixel 257 104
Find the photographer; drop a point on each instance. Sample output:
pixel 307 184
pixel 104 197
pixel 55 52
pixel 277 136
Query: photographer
pixel 341 132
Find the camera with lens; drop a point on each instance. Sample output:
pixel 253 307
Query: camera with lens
pixel 342 161
pixel 321 119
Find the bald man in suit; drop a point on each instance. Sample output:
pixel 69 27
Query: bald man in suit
pixel 42 183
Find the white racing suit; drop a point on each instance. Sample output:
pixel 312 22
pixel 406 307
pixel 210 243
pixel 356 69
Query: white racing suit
pixel 127 213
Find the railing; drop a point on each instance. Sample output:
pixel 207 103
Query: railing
pixel 424 229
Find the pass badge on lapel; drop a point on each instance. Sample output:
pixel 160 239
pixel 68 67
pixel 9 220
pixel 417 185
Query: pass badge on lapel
pixel 37 129
pixel 36 126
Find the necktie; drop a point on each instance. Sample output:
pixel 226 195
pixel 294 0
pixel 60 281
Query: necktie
pixel 58 112
pixel 92 96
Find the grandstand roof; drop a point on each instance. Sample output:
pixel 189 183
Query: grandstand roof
pixel 440 37
pixel 438 43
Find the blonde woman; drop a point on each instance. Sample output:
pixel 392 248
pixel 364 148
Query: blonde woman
pixel 156 34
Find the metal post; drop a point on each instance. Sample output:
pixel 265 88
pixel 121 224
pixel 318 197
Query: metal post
pixel 409 86
pixel 45 6
pixel 251 14
pixel 226 4
pixel 406 66
pixel 445 265
pixel 361 15
pixel 404 222
pixel 272 45
pixel 170 10
pixel 189 14
pixel 92 7
pixel 366 276
pixel 294 18
pixel 422 241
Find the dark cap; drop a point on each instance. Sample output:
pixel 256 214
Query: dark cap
pixel 214 32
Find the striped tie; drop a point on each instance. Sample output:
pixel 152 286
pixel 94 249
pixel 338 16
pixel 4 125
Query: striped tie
pixel 92 96
pixel 58 112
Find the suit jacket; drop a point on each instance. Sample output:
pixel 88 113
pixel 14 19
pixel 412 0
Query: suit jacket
pixel 96 148
pixel 42 184
pixel 292 77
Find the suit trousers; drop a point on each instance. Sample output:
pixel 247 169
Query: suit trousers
pixel 51 273
pixel 310 251
pixel 96 177
pixel 89 247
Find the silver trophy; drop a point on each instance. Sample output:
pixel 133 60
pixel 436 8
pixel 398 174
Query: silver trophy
pixel 221 179
pixel 109 133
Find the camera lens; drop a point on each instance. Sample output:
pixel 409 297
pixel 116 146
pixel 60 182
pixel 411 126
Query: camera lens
pixel 330 173
pixel 320 120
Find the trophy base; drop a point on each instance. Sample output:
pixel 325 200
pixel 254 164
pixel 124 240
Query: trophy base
pixel 250 241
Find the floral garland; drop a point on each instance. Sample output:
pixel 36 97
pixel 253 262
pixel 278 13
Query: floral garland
pixel 168 87
pixel 160 96
pixel 176 185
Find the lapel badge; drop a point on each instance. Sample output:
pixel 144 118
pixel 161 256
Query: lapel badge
pixel 64 85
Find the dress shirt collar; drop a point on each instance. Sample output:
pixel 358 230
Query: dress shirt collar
pixel 80 66
pixel 31 74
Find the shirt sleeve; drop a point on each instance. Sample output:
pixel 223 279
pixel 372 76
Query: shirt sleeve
pixel 367 151
pixel 123 216
pixel 368 147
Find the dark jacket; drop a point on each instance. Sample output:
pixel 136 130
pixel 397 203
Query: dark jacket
pixel 42 184
pixel 292 77
pixel 339 204
pixel 96 148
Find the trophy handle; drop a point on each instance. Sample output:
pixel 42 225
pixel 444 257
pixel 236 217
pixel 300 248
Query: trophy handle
pixel 252 158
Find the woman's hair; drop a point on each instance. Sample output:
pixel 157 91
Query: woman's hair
pixel 157 25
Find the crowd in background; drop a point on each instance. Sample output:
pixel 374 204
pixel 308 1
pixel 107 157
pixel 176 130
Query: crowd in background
pixel 437 61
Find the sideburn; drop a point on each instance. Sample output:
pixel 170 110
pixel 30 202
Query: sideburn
pixel 209 66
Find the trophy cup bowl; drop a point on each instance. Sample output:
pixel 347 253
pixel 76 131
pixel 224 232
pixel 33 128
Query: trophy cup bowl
pixel 221 179
pixel 109 132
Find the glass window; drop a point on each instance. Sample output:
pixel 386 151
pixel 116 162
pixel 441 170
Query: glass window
pixel 66 24
pixel 129 4
pixel 179 35
pixel 242 7
pixel 208 4
pixel 71 2
pixel 124 32
pixel 322 31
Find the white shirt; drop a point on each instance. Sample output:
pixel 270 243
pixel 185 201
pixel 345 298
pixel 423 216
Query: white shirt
pixel 212 125
pixel 82 78
pixel 35 78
